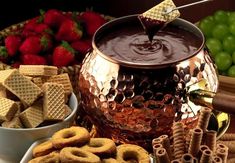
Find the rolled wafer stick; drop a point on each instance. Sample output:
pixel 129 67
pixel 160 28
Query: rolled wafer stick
pixel 222 153
pixel 216 159
pixel 162 156
pixel 195 160
pixel 206 156
pixel 204 118
pixel 210 139
pixel 187 158
pixel 166 144
pixel 155 147
pixel 156 141
pixel 229 144
pixel 201 149
pixel 195 141
pixel 228 137
pixel 178 140
pixel 188 139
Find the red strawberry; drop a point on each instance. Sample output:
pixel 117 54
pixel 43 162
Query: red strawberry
pixel 54 18
pixel 43 28
pixel 30 25
pixel 32 59
pixel 82 46
pixel 69 31
pixel 92 21
pixel 12 43
pixel 35 44
pixel 63 55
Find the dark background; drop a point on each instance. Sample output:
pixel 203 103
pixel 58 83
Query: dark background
pixel 14 11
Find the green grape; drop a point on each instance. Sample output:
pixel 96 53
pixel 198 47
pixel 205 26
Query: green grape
pixel 220 31
pixel 223 61
pixel 229 44
pixel 232 28
pixel 233 57
pixel 206 25
pixel 231 71
pixel 214 46
pixel 231 18
pixel 221 16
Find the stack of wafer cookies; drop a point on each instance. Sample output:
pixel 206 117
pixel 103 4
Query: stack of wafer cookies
pixel 33 95
pixel 202 145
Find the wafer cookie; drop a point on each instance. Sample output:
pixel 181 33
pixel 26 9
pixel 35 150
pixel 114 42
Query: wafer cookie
pixel 39 81
pixel 8 109
pixel 53 102
pixel 38 70
pixel 64 80
pixel 14 123
pixel 32 116
pixel 20 86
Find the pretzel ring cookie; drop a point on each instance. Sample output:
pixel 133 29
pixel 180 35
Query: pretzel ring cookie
pixel 43 149
pixel 130 152
pixel 73 136
pixel 102 147
pixel 109 160
pixel 50 158
pixel 76 155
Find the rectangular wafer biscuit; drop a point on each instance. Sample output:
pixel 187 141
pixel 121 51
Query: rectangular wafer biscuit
pixel 32 116
pixel 53 101
pixel 20 86
pixel 64 80
pixel 39 81
pixel 38 70
pixel 3 91
pixel 68 110
pixel 14 123
pixel 8 109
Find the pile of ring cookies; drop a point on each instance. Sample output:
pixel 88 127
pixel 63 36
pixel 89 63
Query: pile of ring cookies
pixel 198 145
pixel 33 96
pixel 74 145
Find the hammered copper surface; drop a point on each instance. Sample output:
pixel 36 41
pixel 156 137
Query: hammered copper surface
pixel 131 104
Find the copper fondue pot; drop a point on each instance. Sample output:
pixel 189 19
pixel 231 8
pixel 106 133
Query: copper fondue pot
pixel 135 103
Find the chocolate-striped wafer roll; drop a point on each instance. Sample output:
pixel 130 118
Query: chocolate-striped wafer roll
pixel 206 156
pixel 195 141
pixel 155 147
pixel 166 144
pixel 216 159
pixel 204 118
pixel 178 139
pixel 187 158
pixel 210 139
pixel 162 156
pixel 228 137
pixel 201 149
pixel 195 160
pixel 188 138
pixel 229 144
pixel 156 141
pixel 222 153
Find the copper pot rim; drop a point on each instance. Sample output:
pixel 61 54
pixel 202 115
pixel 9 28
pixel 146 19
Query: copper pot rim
pixel 178 21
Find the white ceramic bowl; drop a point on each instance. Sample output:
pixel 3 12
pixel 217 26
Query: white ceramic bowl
pixel 15 142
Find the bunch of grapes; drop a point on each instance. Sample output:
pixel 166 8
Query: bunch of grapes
pixel 219 30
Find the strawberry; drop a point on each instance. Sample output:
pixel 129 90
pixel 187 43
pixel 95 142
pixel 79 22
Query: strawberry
pixel 35 44
pixel 63 55
pixel 32 59
pixel 69 31
pixel 92 21
pixel 3 53
pixel 81 46
pixel 12 43
pixel 54 18
pixel 16 64
pixel 42 28
pixel 30 25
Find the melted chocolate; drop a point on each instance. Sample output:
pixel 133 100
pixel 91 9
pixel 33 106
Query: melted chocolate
pixel 151 26
pixel 129 43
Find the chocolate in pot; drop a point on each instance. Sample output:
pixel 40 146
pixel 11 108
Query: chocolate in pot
pixel 133 89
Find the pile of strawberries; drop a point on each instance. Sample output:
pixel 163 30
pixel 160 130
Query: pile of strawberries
pixel 53 38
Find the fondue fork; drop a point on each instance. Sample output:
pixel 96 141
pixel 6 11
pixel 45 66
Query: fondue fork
pixel 170 9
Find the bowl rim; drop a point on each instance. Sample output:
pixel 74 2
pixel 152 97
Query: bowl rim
pixel 52 125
